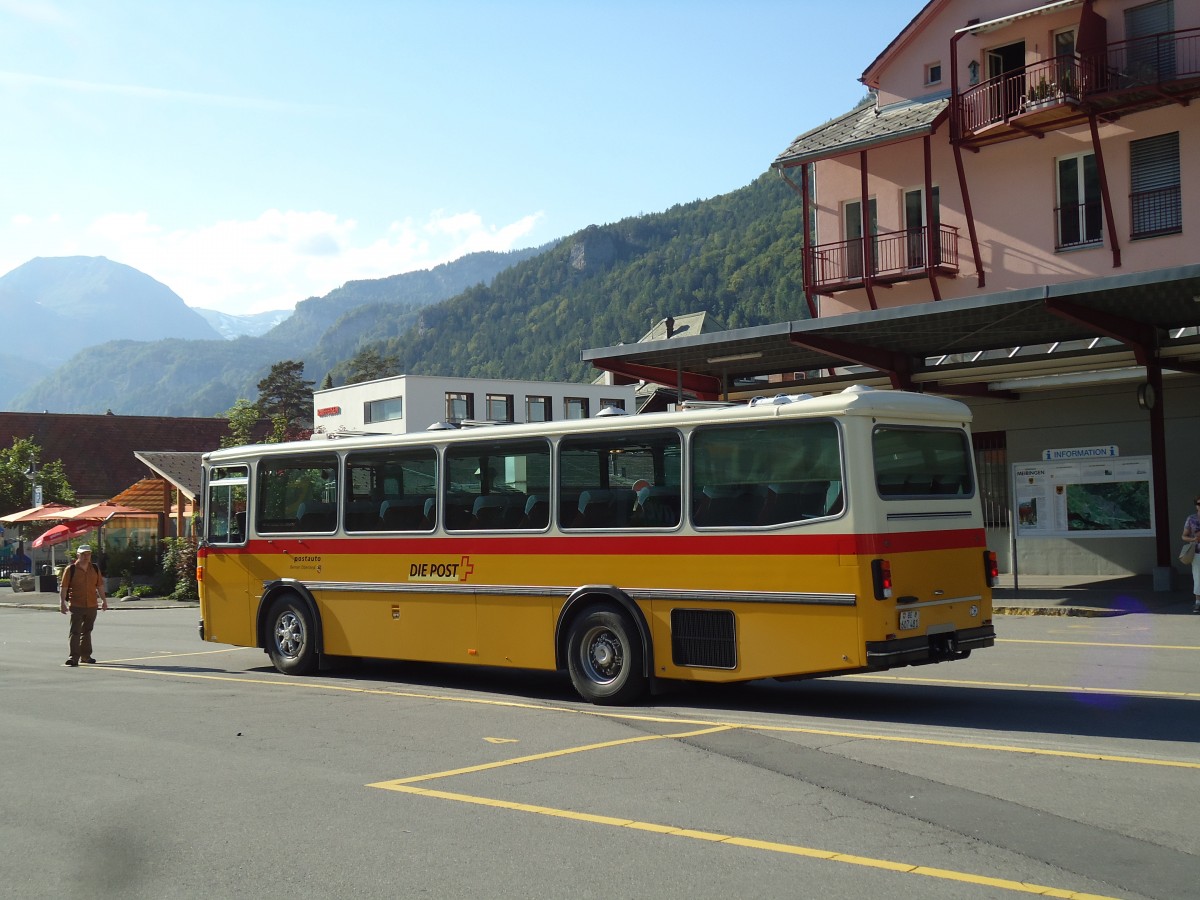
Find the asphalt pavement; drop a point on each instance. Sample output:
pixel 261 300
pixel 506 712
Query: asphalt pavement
pixel 1033 595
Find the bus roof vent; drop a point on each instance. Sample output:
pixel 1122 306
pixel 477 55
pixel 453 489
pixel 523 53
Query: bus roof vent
pixel 858 389
pixel 705 404
pixel 442 426
pixel 611 411
pixel 779 399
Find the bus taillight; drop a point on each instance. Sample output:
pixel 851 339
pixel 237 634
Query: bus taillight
pixel 991 569
pixel 881 576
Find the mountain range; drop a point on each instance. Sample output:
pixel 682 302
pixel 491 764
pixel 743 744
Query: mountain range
pixel 122 341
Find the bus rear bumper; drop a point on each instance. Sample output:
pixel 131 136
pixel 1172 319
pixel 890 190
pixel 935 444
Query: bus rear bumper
pixel 933 648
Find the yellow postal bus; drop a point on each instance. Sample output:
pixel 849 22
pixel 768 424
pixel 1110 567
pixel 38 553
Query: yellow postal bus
pixel 792 537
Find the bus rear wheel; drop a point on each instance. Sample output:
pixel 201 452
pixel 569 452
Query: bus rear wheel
pixel 291 641
pixel 604 657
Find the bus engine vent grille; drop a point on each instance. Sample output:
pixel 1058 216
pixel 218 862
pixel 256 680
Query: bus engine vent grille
pixel 704 638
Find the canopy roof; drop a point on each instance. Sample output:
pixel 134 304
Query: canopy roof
pixel 962 345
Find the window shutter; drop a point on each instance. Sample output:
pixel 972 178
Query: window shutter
pixel 1154 162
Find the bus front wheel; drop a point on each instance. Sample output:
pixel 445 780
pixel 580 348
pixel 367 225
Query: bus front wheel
pixel 290 643
pixel 604 657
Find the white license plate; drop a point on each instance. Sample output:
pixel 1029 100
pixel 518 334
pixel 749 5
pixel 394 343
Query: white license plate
pixel 909 619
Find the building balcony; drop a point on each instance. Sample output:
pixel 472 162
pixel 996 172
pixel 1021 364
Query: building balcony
pixel 1127 76
pixel 894 256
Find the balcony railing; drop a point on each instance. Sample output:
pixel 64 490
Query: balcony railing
pixel 1151 61
pixel 1156 212
pixel 1157 68
pixel 895 256
pixel 1058 80
pixel 1078 224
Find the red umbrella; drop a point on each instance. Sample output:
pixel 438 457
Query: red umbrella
pixel 60 534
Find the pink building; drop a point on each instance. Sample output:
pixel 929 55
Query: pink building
pixel 1009 219
pixel 1007 147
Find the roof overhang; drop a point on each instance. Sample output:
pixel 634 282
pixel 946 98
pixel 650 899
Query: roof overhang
pixel 1004 21
pixel 958 346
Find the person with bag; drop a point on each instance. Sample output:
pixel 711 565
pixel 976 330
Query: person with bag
pixel 82 596
pixel 1188 555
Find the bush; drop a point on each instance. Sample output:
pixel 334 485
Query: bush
pixel 130 561
pixel 179 561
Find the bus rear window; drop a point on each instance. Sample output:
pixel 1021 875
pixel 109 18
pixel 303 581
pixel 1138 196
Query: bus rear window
pixel 912 463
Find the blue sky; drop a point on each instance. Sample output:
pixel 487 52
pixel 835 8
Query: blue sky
pixel 251 154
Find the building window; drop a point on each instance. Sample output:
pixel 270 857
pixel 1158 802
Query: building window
pixel 933 73
pixel 1154 201
pixel 1078 214
pixel 616 404
pixel 575 408
pixel 914 226
pixel 383 410
pixel 500 407
pixel 537 409
pixel 459 406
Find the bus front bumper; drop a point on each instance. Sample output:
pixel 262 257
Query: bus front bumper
pixel 933 648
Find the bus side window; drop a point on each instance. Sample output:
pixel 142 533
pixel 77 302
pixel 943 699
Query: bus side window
pixel 314 516
pixel 537 512
pixel 238 533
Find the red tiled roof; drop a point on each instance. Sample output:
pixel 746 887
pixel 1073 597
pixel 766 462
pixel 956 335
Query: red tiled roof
pixel 97 451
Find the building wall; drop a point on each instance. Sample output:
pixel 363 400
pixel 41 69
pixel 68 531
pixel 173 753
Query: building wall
pixel 1012 186
pixel 424 400
pixel 1095 415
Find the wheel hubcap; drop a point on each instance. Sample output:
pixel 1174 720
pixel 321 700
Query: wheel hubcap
pixel 289 635
pixel 603 656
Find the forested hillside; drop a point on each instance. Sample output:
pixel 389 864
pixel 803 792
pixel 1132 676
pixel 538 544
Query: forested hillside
pixel 736 256
pixel 527 315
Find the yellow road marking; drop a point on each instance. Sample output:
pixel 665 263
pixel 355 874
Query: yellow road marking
pixel 501 740
pixel 551 754
pixel 1027 685
pixel 1098 644
pixel 751 843
pixel 165 655
pixel 669 720
pixel 405 785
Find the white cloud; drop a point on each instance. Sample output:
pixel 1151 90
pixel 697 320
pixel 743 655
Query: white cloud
pixel 269 262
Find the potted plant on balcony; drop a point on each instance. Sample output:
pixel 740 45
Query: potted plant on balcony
pixel 1066 87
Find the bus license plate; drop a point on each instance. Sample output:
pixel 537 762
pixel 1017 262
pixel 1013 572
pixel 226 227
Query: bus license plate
pixel 909 619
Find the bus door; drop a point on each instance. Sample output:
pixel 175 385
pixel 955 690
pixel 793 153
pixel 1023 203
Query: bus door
pixel 225 585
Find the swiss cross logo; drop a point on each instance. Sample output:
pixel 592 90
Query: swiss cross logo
pixel 466 568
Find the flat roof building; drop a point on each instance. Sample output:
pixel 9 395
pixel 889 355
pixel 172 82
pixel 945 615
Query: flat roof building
pixel 407 403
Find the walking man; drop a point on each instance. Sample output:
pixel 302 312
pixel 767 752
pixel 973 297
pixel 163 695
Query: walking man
pixel 82 595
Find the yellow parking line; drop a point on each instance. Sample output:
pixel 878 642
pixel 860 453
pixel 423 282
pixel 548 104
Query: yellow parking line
pixel 1028 685
pixel 1098 644
pixel 551 754
pixel 750 843
pixel 161 656
pixel 283 682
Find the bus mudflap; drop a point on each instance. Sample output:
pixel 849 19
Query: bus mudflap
pixel 932 648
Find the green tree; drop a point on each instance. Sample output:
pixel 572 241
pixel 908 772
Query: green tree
pixel 370 363
pixel 242 418
pixel 328 382
pixel 285 392
pixel 16 488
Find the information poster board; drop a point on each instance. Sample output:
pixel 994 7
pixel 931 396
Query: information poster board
pixel 1084 498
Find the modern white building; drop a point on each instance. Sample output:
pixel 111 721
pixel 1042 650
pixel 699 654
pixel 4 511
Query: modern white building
pixel 407 403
